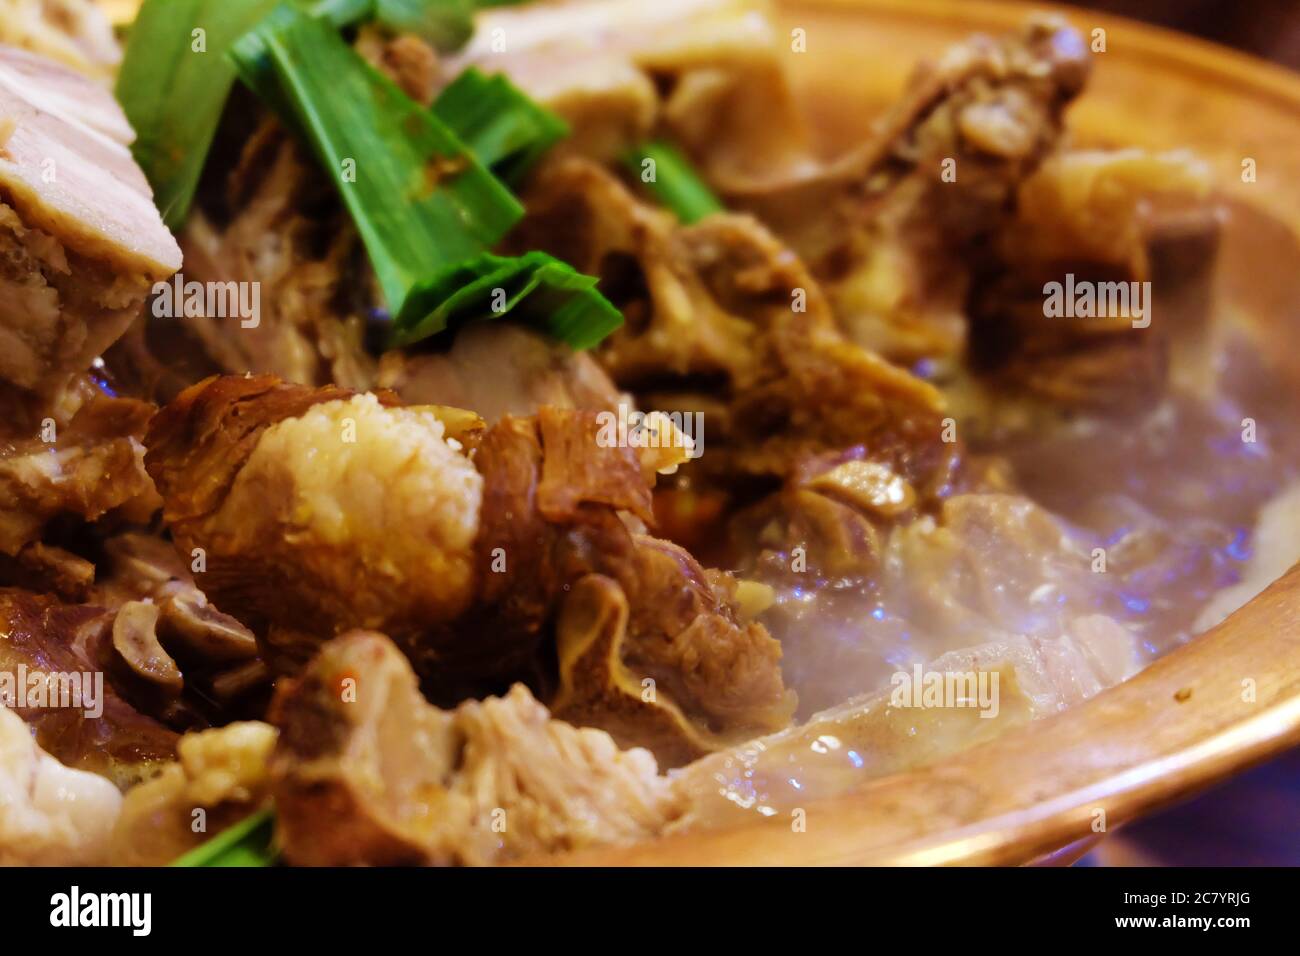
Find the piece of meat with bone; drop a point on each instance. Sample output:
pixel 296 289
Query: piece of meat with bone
pixel 81 243
pixel 891 228
pixel 722 319
pixel 76 454
pixel 60 670
pixel 1127 239
pixel 318 512
pixel 367 772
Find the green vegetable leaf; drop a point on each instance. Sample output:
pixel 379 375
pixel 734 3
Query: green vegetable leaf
pixel 539 288
pixel 420 200
pixel 669 177
pixel 445 24
pixel 506 130
pixel 247 843
pixel 173 86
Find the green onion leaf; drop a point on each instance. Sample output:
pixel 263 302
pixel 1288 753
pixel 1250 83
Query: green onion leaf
pixel 668 176
pixel 539 288
pixel 173 86
pixel 420 200
pixel 247 843
pixel 506 130
pixel 445 24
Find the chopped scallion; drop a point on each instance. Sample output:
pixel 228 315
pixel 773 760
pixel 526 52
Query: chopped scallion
pixel 668 176
pixel 539 288
pixel 173 87
pixel 507 131
pixel 420 200
pixel 247 843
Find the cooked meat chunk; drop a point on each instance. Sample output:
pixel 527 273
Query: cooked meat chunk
pixel 49 814
pixel 466 563
pixel 279 224
pixel 723 319
pixel 892 228
pixel 708 72
pixel 82 718
pixel 74 32
pixel 77 454
pixel 220 778
pixel 81 243
pixel 1105 222
pixel 327 510
pixel 498 369
pixel 365 771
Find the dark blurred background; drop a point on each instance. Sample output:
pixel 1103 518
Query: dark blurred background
pixel 1253 820
pixel 1266 28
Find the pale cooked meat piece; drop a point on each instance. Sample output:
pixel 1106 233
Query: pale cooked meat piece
pixel 221 777
pixel 365 771
pixel 1000 685
pixel 465 564
pixel 81 243
pixel 706 71
pixel 498 369
pixel 50 815
pixel 74 32
pixel 78 454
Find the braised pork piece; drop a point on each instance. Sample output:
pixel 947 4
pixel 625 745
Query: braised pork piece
pixel 417 604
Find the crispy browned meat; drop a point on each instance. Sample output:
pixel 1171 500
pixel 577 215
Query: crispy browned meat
pixel 316 510
pixel 47 636
pixel 366 772
pixel 307 535
pixel 79 250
